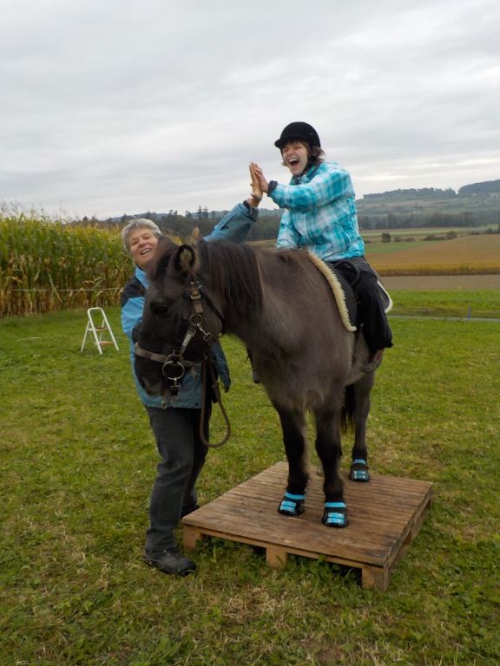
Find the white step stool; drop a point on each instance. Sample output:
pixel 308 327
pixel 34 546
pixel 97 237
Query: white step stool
pixel 98 331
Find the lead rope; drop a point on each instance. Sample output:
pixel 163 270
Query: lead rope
pixel 205 397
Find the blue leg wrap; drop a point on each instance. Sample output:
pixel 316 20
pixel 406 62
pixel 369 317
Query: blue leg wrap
pixel 359 470
pixel 292 505
pixel 335 514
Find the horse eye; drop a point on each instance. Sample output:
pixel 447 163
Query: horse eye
pixel 160 309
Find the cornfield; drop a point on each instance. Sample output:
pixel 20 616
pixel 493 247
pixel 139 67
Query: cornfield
pixel 47 266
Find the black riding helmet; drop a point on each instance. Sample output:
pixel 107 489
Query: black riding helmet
pixel 298 131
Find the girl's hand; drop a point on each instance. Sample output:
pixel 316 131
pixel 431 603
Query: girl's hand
pixel 256 172
pixel 256 196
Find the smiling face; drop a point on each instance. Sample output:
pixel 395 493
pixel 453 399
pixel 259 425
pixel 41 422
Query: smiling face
pixel 142 243
pixel 295 156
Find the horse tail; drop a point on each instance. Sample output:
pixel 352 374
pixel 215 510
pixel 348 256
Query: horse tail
pixel 348 408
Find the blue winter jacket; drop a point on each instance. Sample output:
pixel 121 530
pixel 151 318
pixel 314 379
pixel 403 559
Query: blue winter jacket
pixel 320 213
pixel 235 227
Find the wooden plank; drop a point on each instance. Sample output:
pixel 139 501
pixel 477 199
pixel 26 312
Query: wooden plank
pixel 385 515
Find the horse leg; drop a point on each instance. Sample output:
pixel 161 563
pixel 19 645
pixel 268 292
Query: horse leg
pixel 294 440
pixel 329 449
pixel 359 408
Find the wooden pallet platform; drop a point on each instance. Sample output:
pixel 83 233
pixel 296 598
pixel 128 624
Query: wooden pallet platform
pixel 384 517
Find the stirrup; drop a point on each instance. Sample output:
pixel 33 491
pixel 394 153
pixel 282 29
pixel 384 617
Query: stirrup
pixel 359 470
pixel 292 505
pixel 335 514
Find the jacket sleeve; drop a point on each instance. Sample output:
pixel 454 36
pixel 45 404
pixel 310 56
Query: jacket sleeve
pixel 287 234
pixel 132 305
pixel 222 366
pixel 236 225
pixel 327 185
pixel 131 315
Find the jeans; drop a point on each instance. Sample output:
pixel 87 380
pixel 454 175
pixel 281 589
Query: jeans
pixel 182 456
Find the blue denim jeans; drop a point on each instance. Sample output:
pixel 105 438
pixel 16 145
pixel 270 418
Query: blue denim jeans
pixel 182 454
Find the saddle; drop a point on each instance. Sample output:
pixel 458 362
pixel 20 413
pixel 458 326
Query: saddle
pixel 344 293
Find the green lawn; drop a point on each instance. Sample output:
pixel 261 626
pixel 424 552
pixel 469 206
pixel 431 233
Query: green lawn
pixel 78 461
pixel 457 303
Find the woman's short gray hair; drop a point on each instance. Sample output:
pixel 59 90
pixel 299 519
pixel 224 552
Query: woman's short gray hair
pixel 139 223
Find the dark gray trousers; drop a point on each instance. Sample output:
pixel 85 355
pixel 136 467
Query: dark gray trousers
pixel 364 281
pixel 182 454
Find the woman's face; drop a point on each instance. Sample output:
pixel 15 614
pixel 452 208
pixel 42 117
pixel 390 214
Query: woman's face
pixel 295 156
pixel 142 243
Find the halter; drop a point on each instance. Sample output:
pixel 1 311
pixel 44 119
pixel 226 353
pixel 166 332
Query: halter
pixel 174 364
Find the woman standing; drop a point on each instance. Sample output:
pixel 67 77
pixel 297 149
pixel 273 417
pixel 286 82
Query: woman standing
pixel 176 428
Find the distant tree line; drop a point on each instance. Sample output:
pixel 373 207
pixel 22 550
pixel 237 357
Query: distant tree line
pixel 183 225
pixel 267 226
pixel 419 220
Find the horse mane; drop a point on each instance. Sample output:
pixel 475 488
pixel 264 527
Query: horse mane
pixel 234 274
pixel 165 250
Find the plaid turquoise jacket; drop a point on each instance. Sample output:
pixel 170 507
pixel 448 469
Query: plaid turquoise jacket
pixel 320 213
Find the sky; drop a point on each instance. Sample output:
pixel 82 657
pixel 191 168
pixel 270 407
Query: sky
pixel 127 106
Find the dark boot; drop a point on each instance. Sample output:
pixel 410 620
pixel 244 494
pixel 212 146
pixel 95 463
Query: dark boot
pixel 170 562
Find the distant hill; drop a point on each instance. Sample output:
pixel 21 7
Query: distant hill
pixel 423 193
pixel 488 187
pixel 473 205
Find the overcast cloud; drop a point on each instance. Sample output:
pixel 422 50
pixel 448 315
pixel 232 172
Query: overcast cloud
pixel 113 106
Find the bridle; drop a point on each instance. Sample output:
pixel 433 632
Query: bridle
pixel 174 364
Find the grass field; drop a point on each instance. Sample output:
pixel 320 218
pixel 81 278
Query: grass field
pixel 420 296
pixel 78 461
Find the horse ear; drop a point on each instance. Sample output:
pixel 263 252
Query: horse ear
pixel 195 236
pixel 164 252
pixel 185 260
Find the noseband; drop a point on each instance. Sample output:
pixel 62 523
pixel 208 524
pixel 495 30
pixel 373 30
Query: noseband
pixel 174 364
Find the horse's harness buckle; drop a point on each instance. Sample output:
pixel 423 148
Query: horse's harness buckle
pixel 193 292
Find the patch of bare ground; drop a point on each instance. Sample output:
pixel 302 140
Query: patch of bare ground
pixel 441 282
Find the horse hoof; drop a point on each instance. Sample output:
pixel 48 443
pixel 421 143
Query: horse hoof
pixel 359 471
pixel 292 505
pixel 335 514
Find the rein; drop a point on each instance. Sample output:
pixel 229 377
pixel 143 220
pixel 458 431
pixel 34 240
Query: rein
pixel 218 399
pixel 174 364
